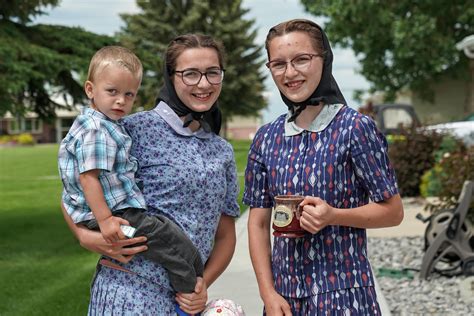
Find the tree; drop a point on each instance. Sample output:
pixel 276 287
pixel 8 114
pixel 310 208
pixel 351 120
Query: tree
pixel 24 11
pixel 149 32
pixel 41 64
pixel 400 44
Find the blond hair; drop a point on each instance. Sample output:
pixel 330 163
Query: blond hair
pixel 114 55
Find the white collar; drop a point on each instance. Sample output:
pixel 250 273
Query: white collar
pixel 320 122
pixel 177 124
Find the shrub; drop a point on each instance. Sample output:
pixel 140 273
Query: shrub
pixel 457 167
pixel 411 156
pixel 448 144
pixel 25 139
pixel 7 139
pixel 431 180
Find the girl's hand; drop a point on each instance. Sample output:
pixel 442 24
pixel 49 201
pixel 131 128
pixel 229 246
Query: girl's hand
pixel 316 214
pixel 193 303
pixel 122 250
pixel 93 241
pixel 276 305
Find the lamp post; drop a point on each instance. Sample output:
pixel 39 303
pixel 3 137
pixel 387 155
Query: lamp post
pixel 467 46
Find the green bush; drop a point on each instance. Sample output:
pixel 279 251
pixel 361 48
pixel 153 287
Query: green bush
pixel 457 167
pixel 448 144
pixel 25 139
pixel 431 180
pixel 22 139
pixel 411 155
pixel 7 139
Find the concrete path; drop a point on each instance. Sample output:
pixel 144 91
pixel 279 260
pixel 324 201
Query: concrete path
pixel 410 226
pixel 239 284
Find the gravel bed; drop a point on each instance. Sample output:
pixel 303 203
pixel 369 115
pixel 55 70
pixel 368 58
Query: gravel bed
pixel 414 296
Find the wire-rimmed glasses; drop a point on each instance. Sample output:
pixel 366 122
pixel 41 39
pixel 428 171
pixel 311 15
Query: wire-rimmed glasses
pixel 192 77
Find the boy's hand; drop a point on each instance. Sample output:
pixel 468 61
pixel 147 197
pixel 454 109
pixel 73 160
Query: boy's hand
pixel 110 228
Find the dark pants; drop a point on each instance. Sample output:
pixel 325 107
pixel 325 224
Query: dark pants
pixel 167 245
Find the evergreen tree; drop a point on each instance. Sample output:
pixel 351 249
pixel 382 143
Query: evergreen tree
pixel 40 64
pixel 24 10
pixel 149 32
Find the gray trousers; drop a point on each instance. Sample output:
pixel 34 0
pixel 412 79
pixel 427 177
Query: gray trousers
pixel 167 245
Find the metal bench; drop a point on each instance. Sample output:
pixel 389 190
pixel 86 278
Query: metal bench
pixel 451 240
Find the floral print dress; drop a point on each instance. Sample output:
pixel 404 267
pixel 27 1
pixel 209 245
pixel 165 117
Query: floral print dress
pixel 189 177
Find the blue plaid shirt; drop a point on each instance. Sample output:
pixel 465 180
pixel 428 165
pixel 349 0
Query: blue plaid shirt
pixel 96 142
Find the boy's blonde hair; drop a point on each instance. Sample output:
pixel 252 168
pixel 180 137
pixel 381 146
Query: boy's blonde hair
pixel 114 55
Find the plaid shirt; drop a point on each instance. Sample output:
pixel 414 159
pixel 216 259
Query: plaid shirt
pixel 96 142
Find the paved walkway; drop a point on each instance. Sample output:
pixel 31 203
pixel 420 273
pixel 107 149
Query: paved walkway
pixel 239 284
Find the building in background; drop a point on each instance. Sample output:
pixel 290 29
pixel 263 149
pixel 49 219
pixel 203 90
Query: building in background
pixel 43 131
pixel 53 131
pixel 240 127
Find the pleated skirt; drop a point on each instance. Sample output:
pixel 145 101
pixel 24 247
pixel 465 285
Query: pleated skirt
pixel 115 292
pixel 360 301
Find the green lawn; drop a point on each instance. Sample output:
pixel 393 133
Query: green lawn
pixel 241 149
pixel 43 270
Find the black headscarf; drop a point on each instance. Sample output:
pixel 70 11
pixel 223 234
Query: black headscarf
pixel 326 92
pixel 210 120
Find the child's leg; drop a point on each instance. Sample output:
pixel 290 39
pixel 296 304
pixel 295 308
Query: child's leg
pixel 169 246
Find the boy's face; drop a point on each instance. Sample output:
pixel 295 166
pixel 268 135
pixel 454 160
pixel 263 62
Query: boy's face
pixel 113 91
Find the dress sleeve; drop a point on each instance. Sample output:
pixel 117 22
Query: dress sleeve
pixel 370 159
pixel 256 192
pixel 94 150
pixel 231 207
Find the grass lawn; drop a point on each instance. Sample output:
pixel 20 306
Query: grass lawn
pixel 43 270
pixel 241 150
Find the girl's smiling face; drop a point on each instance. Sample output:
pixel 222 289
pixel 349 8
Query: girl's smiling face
pixel 296 85
pixel 200 97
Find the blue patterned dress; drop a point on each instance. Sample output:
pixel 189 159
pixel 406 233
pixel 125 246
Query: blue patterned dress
pixel 189 177
pixel 343 160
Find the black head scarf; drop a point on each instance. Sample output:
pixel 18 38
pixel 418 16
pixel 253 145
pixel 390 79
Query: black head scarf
pixel 326 92
pixel 210 120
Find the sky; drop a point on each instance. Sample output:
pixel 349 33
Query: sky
pixel 102 17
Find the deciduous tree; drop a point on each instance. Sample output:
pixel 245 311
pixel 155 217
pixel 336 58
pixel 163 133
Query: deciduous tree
pixel 400 44
pixel 41 65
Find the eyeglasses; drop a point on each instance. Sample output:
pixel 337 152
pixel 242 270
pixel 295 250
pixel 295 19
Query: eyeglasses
pixel 192 77
pixel 300 63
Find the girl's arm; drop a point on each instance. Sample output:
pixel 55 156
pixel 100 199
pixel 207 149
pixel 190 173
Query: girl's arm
pixel 93 241
pixel 260 253
pixel 317 214
pixel 223 250
pixel 221 255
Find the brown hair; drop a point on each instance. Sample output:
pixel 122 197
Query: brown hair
pixel 297 25
pixel 179 44
pixel 114 55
